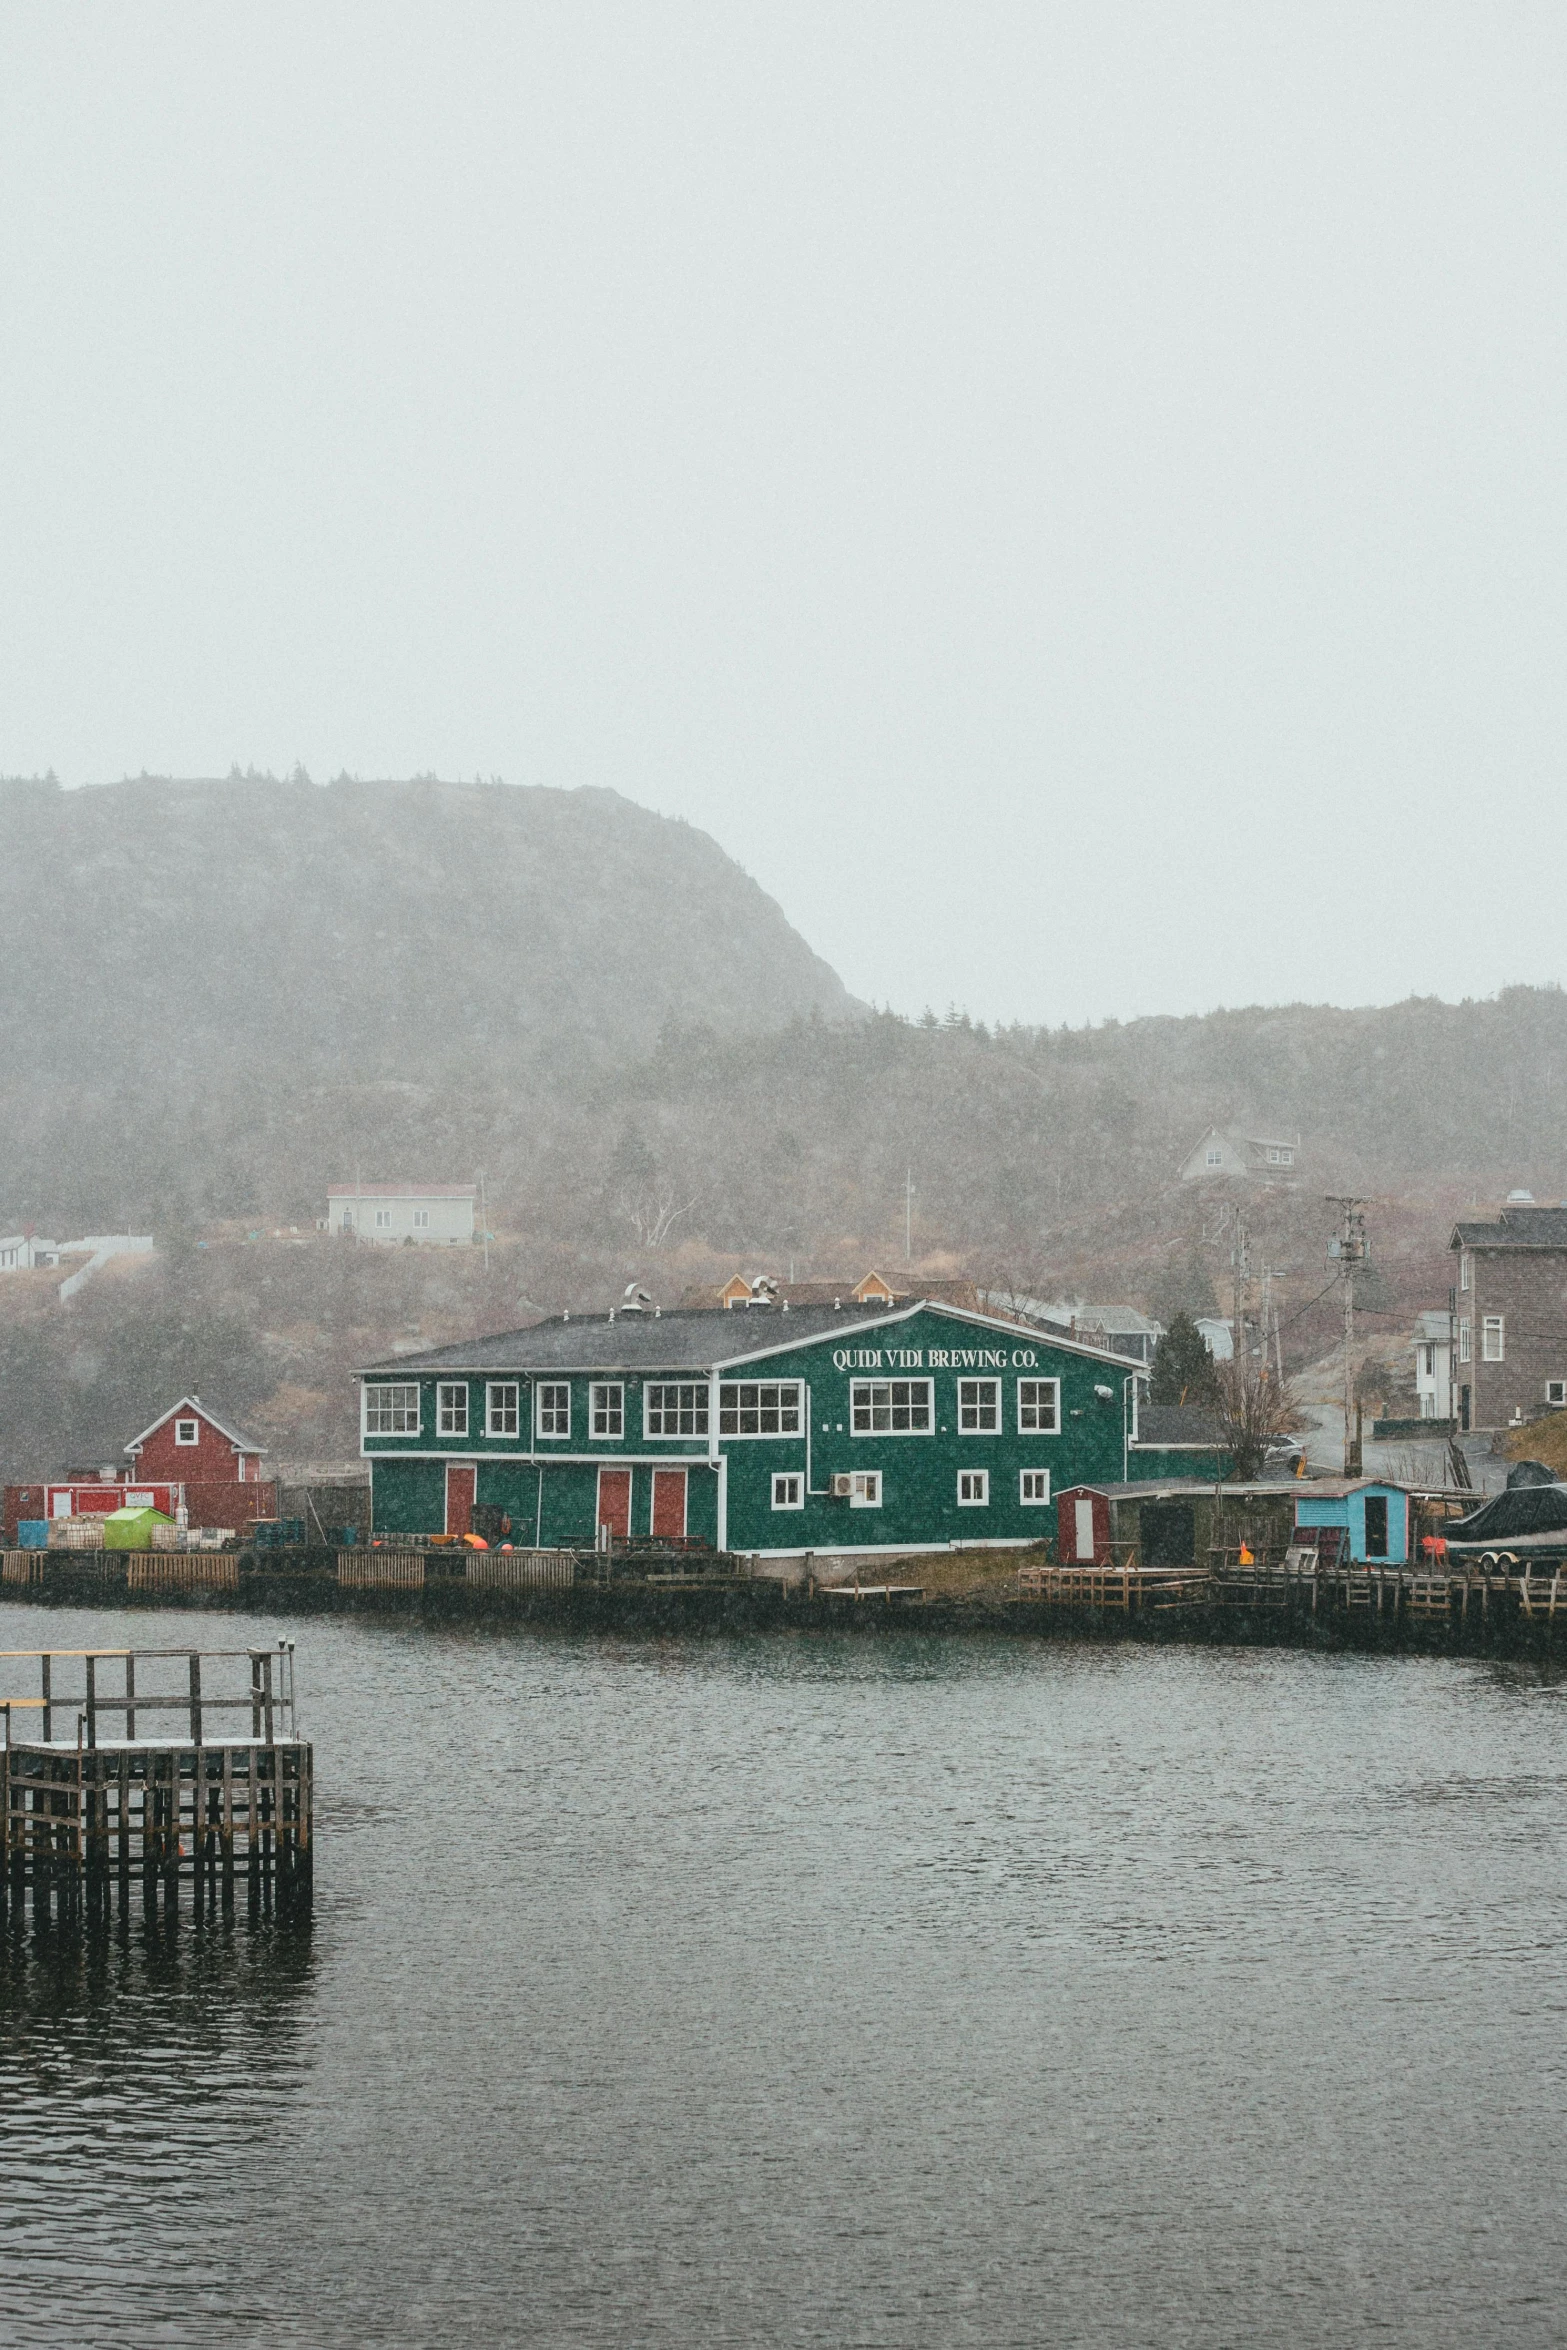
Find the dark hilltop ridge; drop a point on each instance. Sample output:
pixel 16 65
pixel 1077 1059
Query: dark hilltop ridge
pixel 371 929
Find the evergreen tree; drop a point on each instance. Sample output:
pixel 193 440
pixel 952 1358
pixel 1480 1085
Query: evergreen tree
pixel 1183 1369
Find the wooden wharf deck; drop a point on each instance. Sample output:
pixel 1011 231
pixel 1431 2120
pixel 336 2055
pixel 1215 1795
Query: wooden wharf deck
pixel 83 1816
pixel 1300 1584
pixel 1127 1589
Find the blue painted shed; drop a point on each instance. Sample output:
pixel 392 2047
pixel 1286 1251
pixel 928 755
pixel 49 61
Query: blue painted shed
pixel 1376 1517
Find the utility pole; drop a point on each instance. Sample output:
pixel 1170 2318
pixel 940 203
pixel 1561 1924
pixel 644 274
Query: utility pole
pixel 1267 1309
pixel 1240 1268
pixel 484 1219
pixel 908 1218
pixel 1351 1248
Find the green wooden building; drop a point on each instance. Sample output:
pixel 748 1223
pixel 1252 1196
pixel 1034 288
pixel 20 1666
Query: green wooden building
pixel 843 1432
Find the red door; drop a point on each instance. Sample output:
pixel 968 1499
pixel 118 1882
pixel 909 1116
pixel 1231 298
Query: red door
pixel 1082 1528
pixel 669 1503
pixel 615 1502
pixel 461 1478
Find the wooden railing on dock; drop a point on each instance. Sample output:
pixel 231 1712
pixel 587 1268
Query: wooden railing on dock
pixel 381 1570
pixel 185 1570
pixel 1129 1589
pixel 1296 1581
pixel 490 1570
pixel 81 1812
pixel 522 1570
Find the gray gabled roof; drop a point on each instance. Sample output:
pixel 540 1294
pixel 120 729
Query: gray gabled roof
pixel 1515 1228
pixel 694 1339
pixel 193 1404
pixel 1171 1424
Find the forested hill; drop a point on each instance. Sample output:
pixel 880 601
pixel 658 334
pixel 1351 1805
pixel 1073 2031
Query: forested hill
pixel 219 997
pixel 364 930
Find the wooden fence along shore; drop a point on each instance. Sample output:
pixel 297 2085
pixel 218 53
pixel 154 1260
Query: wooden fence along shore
pixel 1497 1600
pixel 91 1805
pixel 1500 1591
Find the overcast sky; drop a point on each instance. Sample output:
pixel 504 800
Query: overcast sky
pixel 1071 497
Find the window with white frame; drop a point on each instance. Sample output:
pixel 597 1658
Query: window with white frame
pixel 1464 1281
pixel 890 1407
pixel 1278 1157
pixel 1464 1340
pixel 973 1489
pixel 675 1408
pixel 1033 1487
pixel 607 1410
pixel 1215 1156
pixel 1493 1338
pixel 1039 1407
pixel 1556 1391
pixel 451 1407
pixel 979 1407
pixel 761 1407
pixel 554 1408
pixel 383 1219
pixel 187 1431
pixel 788 1490
pixel 865 1489
pixel 502 1408
pixel 392 1409
pixel 421 1219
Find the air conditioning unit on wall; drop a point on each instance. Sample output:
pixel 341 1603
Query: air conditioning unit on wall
pixel 842 1486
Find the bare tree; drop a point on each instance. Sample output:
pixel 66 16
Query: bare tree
pixel 654 1212
pixel 1254 1411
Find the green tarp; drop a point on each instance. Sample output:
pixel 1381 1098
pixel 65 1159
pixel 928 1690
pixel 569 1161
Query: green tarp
pixel 132 1529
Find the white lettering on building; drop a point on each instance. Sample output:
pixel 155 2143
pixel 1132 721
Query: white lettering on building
pixel 935 1358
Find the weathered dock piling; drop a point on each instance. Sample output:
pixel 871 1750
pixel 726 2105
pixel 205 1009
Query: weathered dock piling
pixel 84 1815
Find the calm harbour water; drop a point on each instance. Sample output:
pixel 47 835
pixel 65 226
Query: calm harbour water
pixel 795 1990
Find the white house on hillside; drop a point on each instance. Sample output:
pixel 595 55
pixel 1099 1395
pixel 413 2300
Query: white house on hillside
pixel 23 1252
pixel 1217 1336
pixel 1223 1157
pixel 20 1252
pixel 435 1213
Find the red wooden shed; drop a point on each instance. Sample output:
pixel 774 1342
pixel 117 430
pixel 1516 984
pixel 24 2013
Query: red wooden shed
pixel 1083 1527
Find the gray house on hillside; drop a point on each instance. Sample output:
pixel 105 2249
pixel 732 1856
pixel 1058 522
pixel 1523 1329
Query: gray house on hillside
pixel 1229 1156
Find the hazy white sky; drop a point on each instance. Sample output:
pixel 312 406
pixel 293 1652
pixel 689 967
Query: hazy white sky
pixel 1071 497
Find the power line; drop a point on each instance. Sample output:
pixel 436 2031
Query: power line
pixel 1310 1302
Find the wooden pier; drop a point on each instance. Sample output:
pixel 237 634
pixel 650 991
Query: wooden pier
pixel 1125 1588
pixel 84 1816
pixel 1492 1594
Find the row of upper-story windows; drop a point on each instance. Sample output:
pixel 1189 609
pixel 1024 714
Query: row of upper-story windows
pixel 864 1489
pixel 681 1407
